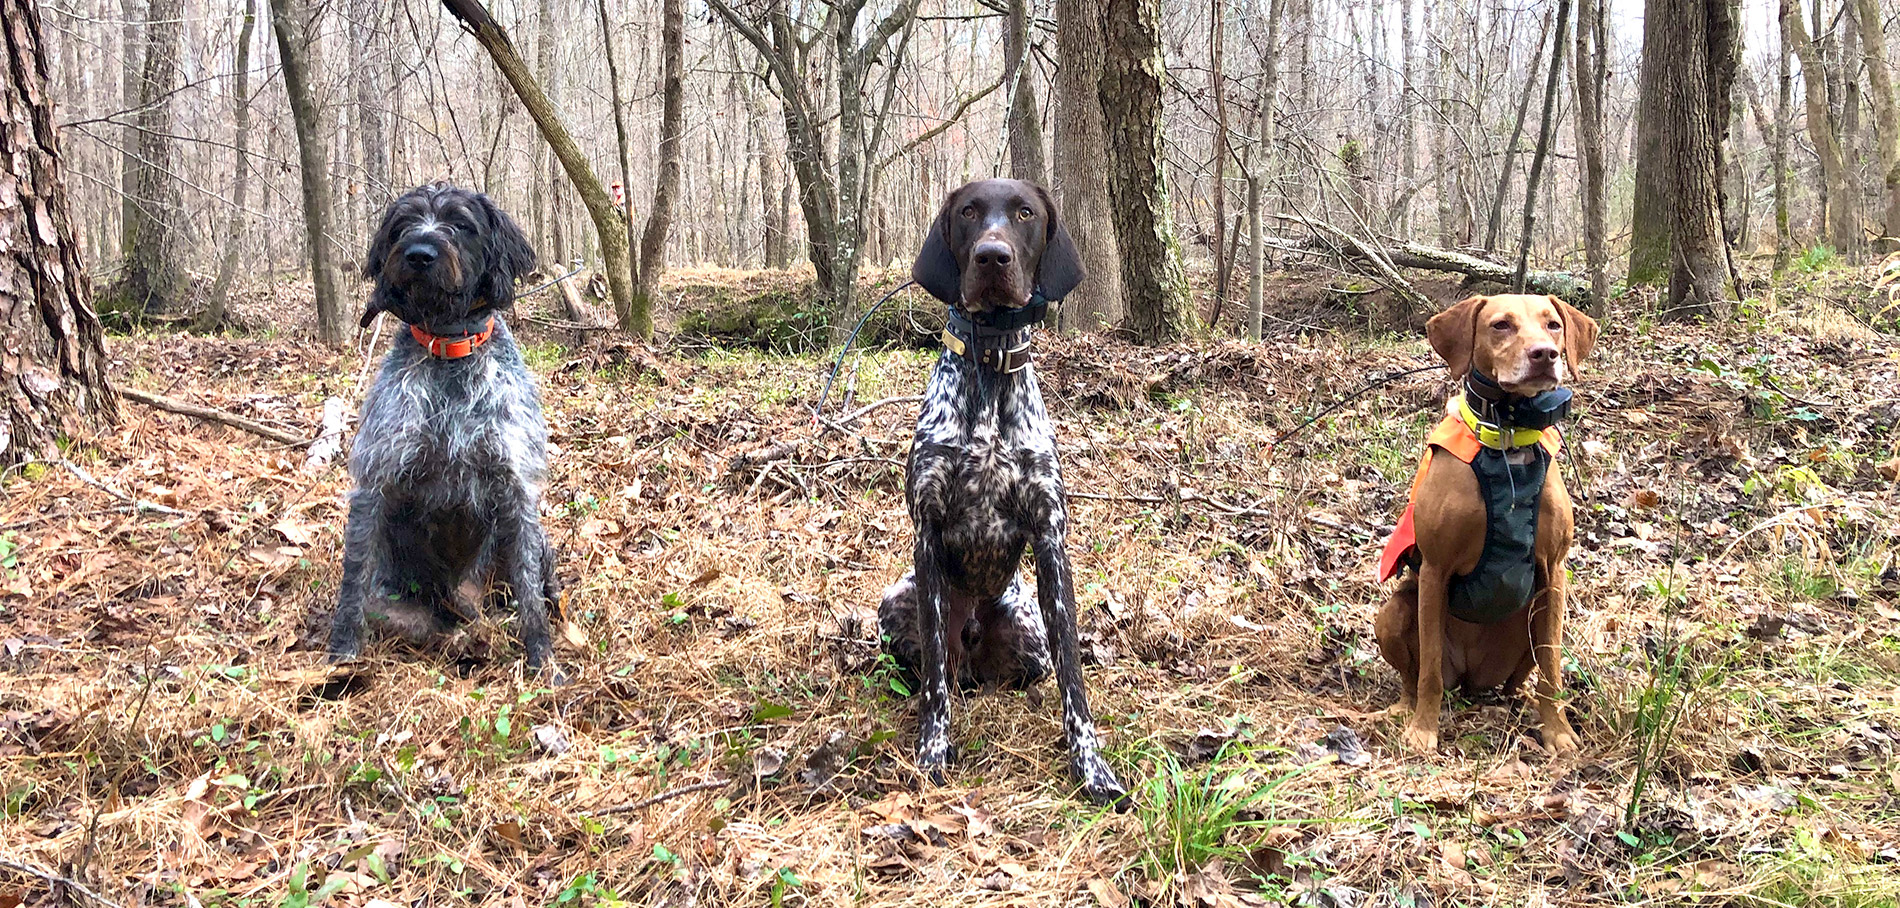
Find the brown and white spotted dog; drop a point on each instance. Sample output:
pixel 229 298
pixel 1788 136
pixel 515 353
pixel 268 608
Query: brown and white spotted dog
pixel 984 484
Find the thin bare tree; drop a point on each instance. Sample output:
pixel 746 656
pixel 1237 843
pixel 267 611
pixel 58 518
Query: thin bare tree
pixel 291 22
pixel 213 313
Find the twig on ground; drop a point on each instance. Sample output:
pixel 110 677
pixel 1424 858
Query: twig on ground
pixel 663 796
pixel 137 504
pixel 57 880
pixel 210 414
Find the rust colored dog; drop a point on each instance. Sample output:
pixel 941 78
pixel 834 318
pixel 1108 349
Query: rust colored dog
pixel 1489 523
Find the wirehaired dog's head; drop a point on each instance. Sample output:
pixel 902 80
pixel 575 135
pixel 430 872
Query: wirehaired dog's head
pixel 444 258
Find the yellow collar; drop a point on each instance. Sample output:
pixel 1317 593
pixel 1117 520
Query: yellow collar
pixel 1492 436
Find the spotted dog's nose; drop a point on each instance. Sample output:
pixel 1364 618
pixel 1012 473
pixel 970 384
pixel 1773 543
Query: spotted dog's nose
pixel 992 254
pixel 420 255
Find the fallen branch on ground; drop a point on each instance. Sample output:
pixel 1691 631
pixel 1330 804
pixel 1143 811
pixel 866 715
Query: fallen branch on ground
pixel 211 414
pixel 663 796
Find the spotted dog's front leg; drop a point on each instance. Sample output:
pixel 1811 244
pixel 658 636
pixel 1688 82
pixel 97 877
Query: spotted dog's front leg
pixel 1057 592
pixel 934 751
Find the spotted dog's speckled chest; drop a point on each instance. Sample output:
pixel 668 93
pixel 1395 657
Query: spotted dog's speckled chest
pixel 983 466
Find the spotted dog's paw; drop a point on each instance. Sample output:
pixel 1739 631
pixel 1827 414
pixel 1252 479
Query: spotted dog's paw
pixel 1098 783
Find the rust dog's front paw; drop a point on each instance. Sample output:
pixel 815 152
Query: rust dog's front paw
pixel 1561 740
pixel 1419 738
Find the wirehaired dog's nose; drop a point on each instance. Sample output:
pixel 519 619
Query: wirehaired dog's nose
pixel 420 255
pixel 990 253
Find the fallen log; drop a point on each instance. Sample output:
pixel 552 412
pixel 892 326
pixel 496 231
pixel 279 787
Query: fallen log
pixel 1568 287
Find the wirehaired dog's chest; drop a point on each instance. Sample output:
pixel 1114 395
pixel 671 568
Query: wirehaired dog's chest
pixel 447 430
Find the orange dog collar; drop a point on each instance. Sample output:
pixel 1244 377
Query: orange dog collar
pixel 452 347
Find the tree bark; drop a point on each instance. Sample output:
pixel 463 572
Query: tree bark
pixel 1696 44
pixel 1784 131
pixel 213 313
pixel 1154 283
pixel 1591 75
pixel 1873 43
pixel 666 187
pixel 1843 212
pixel 1081 167
pixel 1216 38
pixel 1649 261
pixel 53 371
pixel 1026 158
pixel 157 234
pixel 366 30
pixel 289 23
pixel 1544 129
pixel 622 141
pixel 1266 107
pixel 608 224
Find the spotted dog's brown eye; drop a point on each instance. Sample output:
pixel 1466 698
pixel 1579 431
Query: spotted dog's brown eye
pixel 1025 213
pixel 969 211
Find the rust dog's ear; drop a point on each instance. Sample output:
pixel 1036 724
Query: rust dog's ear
pixel 1061 268
pixel 936 269
pixel 1580 333
pixel 1453 332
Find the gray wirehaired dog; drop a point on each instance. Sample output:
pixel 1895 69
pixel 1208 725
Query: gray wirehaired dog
pixel 452 452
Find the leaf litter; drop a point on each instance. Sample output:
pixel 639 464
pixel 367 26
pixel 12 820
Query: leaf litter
pixel 169 732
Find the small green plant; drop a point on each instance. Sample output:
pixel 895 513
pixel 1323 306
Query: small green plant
pixel 1816 258
pixel 1191 816
pixel 300 895
pixel 588 885
pixel 783 881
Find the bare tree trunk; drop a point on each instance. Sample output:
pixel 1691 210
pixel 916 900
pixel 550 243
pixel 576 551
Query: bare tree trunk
pixel 1444 176
pixel 1505 173
pixel 544 176
pixel 1696 45
pixel 1649 215
pixel 293 48
pixel 213 313
pixel 1154 284
pixel 667 186
pixel 1408 129
pixel 155 280
pixel 1873 43
pixel 54 370
pixel 1266 108
pixel 608 224
pixel 1591 76
pixel 1216 37
pixel 1026 158
pixel 1843 221
pixel 131 59
pixel 1544 129
pixel 1081 167
pixel 372 130
pixel 1784 131
pixel 623 143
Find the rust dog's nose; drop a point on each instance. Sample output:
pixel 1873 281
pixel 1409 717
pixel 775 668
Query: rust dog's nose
pixel 991 253
pixel 1543 353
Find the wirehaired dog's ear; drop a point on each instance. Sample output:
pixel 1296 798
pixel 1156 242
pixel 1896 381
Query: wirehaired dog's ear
pixel 936 269
pixel 508 255
pixel 1061 268
pixel 383 243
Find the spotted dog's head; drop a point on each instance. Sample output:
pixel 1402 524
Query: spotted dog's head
pixel 994 243
pixel 444 258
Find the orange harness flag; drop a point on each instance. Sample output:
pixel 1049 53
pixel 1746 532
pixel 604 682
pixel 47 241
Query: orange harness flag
pixel 1457 439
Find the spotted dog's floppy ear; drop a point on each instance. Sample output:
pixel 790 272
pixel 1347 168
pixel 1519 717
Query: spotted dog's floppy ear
pixel 936 268
pixel 507 253
pixel 1061 268
pixel 1453 333
pixel 380 247
pixel 1580 333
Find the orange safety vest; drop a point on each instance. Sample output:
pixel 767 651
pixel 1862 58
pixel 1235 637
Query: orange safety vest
pixel 1457 439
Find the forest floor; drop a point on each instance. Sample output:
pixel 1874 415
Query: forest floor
pixel 170 733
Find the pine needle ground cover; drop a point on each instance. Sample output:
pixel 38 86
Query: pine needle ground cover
pixel 170 735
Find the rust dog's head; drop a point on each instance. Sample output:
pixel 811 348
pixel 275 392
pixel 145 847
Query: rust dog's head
pixel 1522 342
